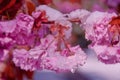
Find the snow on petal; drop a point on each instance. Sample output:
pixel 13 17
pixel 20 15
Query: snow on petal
pixel 51 13
pixel 107 54
pixel 79 14
pixel 22 60
pixel 61 63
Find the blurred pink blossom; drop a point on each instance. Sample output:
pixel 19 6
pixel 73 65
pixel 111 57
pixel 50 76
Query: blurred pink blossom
pixel 67 6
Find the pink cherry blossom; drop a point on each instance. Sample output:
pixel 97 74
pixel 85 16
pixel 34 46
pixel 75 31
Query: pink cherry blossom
pixel 96 27
pixel 31 59
pixel 46 56
pixel 98 30
pixel 24 22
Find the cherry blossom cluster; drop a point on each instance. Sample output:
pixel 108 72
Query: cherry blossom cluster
pixel 41 40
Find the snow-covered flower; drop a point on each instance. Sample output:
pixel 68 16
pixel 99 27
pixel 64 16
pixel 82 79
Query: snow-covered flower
pixel 46 56
pixel 97 27
pixel 104 34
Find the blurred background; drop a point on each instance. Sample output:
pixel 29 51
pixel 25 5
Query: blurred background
pixel 92 70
